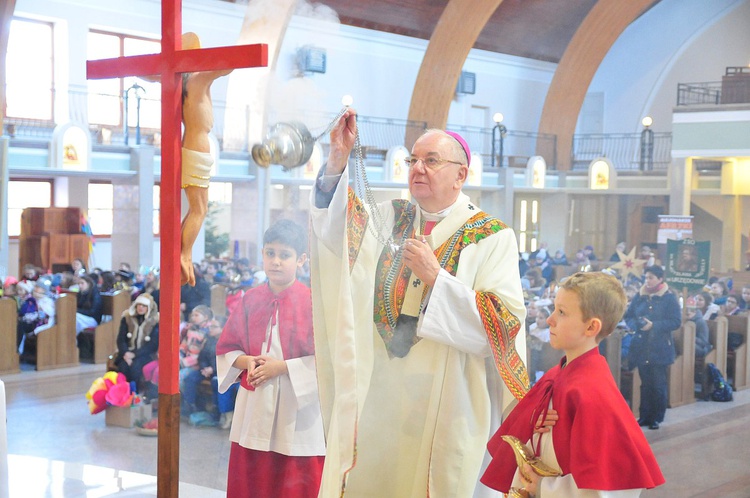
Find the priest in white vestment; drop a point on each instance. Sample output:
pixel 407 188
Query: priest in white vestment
pixel 419 327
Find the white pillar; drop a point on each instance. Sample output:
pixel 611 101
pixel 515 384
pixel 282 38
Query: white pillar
pixel 4 474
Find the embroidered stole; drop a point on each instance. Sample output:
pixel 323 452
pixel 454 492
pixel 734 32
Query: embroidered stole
pixel 465 225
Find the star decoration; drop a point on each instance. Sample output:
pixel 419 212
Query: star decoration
pixel 629 264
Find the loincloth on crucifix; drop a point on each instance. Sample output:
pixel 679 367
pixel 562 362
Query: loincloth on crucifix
pixel 196 168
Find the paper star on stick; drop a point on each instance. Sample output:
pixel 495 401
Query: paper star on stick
pixel 629 264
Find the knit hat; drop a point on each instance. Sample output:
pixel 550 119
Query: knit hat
pixel 43 283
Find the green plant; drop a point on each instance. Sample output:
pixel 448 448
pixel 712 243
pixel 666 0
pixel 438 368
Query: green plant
pixel 216 244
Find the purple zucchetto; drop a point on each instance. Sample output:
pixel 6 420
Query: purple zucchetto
pixel 462 143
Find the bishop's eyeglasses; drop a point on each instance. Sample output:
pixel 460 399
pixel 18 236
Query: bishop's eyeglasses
pixel 433 163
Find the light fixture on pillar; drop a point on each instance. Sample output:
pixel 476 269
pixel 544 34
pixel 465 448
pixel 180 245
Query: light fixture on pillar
pixel 139 92
pixel 647 145
pixel 498 134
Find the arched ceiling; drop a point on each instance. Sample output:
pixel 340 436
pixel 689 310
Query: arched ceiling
pixel 535 29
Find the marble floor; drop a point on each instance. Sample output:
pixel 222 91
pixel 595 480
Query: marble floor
pixel 57 449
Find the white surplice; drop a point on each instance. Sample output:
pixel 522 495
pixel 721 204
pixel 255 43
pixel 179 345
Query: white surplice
pixel 406 427
pixel 281 415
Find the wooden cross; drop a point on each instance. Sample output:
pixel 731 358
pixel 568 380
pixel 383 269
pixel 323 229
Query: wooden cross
pixel 169 65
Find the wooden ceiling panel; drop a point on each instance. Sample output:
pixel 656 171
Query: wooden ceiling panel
pixel 536 29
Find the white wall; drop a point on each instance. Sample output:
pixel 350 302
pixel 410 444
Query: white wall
pixel 677 41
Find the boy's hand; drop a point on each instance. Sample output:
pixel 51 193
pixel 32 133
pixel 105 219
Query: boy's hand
pixel 248 363
pixel 549 421
pixel 530 486
pixel 267 369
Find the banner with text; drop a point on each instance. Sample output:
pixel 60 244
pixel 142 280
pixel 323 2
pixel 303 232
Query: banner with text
pixel 687 263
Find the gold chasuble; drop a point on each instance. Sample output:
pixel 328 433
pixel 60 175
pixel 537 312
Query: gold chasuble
pixel 411 397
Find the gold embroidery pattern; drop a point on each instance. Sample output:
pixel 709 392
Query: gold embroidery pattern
pixel 502 328
pixel 392 276
pixel 478 227
pixel 356 222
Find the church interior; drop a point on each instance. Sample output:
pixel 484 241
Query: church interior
pixel 589 122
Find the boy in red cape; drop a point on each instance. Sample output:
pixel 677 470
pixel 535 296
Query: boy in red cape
pixel 277 438
pixel 592 437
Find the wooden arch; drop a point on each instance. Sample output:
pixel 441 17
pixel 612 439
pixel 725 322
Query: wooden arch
pixel 456 32
pixel 594 37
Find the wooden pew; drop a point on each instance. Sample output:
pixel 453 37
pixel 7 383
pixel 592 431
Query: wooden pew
pixel 219 299
pixel 613 354
pixel 681 377
pixel 105 334
pixel 737 368
pixel 8 341
pixel 717 336
pixel 559 272
pixel 630 387
pixel 682 371
pixel 56 347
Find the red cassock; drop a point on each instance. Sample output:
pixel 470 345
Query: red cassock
pixel 596 438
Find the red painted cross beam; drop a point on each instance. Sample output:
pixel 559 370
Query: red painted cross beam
pixel 168 66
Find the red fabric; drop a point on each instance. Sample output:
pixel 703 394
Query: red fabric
pixel 428 226
pixel 246 328
pixel 259 474
pixel 596 439
pixel 232 300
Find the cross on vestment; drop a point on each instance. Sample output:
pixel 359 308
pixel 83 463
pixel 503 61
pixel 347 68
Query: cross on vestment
pixel 169 65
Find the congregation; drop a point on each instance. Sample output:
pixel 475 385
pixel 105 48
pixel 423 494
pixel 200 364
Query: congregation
pixel 720 297
pixel 137 327
pixel 202 318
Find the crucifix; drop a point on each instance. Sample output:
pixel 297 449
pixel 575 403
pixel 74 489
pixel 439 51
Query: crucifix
pixel 169 65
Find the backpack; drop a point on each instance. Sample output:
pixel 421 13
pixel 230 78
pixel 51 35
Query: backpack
pixel 722 390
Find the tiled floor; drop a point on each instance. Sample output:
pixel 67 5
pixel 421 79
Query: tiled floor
pixel 57 449
pixel 48 418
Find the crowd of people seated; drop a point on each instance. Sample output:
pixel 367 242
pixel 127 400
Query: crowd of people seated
pixel 37 290
pixel 540 273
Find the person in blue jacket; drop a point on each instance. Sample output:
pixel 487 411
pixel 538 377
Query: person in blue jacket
pixel 654 313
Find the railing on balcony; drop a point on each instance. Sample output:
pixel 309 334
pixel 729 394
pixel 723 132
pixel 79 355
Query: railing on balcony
pixel 377 136
pixel 699 93
pixel 109 132
pixel 625 150
pixel 734 88
pixel 518 146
